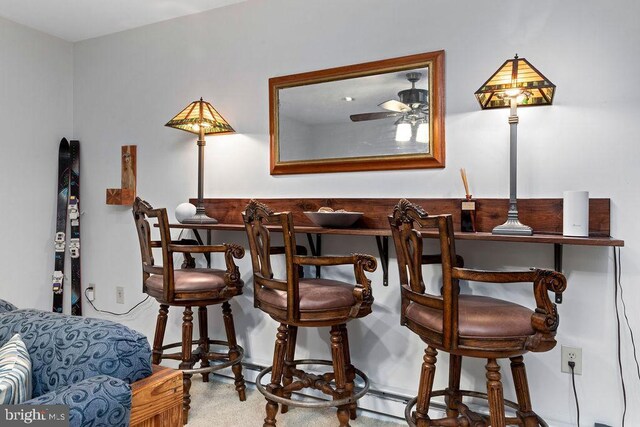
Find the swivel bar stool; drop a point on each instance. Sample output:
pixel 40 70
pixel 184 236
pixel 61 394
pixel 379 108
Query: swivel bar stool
pixel 298 302
pixel 190 287
pixel 469 325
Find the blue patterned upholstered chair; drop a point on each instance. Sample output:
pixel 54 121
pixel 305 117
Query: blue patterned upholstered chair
pixel 86 364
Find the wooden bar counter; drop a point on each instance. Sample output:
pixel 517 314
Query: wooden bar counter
pixel 543 215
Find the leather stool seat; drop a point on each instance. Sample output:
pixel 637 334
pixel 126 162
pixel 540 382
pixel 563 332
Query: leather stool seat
pixel 315 295
pixel 478 316
pixel 192 280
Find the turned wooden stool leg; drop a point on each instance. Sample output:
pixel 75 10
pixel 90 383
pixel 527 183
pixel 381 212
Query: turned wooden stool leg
pixel 233 350
pixel 161 326
pixel 525 412
pixel 426 385
pixel 187 362
pixel 203 343
pixel 276 374
pixel 495 394
pixel 453 395
pixel 288 359
pixel 337 355
pixel 351 372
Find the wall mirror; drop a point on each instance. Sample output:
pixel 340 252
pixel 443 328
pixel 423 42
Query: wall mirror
pixel 378 115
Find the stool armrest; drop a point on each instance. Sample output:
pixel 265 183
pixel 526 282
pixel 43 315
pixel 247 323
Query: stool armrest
pixel 362 291
pixel 494 276
pixel 199 249
pixel 361 263
pixel 543 280
pixel 231 250
pixel 545 319
pixel 232 277
pixel 325 260
pixel 422 299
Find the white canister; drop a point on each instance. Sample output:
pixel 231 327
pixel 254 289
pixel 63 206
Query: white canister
pixel 185 211
pixel 575 214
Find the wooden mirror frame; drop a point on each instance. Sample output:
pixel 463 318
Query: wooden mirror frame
pixel 436 159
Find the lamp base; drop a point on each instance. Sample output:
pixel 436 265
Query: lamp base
pixel 200 217
pixel 513 227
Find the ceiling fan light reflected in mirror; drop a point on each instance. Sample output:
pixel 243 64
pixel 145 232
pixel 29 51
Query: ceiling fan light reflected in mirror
pixel 422 134
pixel 403 131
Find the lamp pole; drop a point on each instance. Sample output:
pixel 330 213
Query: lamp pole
pixel 527 82
pixel 200 217
pixel 513 226
pixel 200 117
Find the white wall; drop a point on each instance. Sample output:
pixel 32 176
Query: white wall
pixel 127 85
pixel 36 90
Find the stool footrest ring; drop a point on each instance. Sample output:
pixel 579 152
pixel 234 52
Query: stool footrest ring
pixel 469 393
pixel 323 403
pixel 216 366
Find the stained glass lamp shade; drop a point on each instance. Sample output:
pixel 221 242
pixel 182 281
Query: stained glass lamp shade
pixel 200 114
pixel 516 76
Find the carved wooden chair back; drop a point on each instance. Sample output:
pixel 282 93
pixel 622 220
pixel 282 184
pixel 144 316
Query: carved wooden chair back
pixel 257 217
pixel 405 221
pixel 144 215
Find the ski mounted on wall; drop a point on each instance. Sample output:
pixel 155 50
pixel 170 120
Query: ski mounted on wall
pixel 74 241
pixel 68 205
pixel 64 162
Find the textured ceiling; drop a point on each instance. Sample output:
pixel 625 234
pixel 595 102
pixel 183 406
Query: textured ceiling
pixel 75 20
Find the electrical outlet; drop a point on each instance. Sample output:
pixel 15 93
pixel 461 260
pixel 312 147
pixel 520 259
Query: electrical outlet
pixel 119 295
pixel 571 354
pixel 91 292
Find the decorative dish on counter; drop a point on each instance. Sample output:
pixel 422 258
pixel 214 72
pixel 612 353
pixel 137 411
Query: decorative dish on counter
pixel 327 217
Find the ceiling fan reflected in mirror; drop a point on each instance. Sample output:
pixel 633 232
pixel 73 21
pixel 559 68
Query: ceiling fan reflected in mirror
pixel 412 109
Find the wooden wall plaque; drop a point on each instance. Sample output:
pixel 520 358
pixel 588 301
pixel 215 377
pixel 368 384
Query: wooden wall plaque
pixel 126 194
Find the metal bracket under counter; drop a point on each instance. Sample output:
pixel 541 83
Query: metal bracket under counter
pixel 557 265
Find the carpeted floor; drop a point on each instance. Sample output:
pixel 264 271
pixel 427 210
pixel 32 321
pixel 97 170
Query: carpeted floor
pixel 216 404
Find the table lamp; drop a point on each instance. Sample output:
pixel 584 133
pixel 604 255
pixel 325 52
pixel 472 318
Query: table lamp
pixel 516 82
pixel 200 118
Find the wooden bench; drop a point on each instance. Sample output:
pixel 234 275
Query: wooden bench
pixel 157 400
